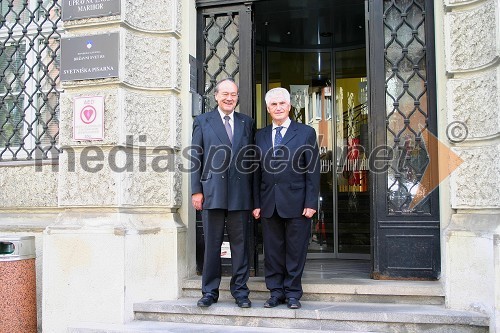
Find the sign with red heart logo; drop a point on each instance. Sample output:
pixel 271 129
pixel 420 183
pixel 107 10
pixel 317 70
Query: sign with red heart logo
pixel 88 118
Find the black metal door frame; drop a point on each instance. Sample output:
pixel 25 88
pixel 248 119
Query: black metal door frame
pixel 217 23
pixel 406 242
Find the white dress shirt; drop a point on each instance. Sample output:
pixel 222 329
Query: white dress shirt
pixel 284 126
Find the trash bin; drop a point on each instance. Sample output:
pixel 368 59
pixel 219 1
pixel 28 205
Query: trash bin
pixel 17 284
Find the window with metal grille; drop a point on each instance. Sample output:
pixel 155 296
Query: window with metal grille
pixel 406 104
pixel 225 50
pixel 221 35
pixel 29 79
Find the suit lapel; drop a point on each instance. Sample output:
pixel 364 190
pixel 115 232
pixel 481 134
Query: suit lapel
pixel 290 133
pixel 267 137
pixel 239 125
pixel 216 123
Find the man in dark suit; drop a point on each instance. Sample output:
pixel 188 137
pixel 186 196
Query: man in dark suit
pixel 286 187
pixel 222 190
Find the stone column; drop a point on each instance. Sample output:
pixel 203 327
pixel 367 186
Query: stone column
pixel 120 239
pixel 471 237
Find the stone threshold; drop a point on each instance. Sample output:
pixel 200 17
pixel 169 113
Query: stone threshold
pixel 152 327
pixel 340 290
pixel 359 286
pixel 332 316
pixel 408 313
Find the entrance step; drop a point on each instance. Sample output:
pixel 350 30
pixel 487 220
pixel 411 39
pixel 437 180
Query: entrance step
pixel 320 316
pixel 152 327
pixel 339 290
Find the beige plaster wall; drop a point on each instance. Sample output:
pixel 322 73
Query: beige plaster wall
pixel 471 32
pixel 119 237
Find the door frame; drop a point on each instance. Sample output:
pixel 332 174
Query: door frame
pixel 381 223
pixel 417 235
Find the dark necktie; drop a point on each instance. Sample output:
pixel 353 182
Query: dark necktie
pixel 277 137
pixel 227 125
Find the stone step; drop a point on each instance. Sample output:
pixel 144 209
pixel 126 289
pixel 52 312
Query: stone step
pixel 339 290
pixel 164 327
pixel 329 316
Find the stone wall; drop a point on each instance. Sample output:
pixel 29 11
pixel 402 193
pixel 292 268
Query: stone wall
pixel 471 34
pixel 119 237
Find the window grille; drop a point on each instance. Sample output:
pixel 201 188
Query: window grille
pixel 221 36
pixel 30 33
pixel 406 103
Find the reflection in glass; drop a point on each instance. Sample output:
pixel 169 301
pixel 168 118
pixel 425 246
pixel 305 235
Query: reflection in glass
pixel 352 156
pixel 307 75
pixel 406 104
pixel 299 99
pixel 338 111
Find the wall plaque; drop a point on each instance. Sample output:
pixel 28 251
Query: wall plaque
pixel 78 9
pixel 88 118
pixel 90 57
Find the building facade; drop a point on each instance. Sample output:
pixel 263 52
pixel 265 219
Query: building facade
pixel 403 94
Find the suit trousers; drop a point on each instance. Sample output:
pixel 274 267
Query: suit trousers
pixel 236 223
pixel 286 241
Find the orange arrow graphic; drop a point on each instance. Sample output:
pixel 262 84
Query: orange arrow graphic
pixel 442 162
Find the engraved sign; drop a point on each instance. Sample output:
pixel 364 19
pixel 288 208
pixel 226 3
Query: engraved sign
pixel 90 57
pixel 78 9
pixel 88 118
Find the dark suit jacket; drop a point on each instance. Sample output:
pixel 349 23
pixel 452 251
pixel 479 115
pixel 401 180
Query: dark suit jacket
pixel 220 170
pixel 288 181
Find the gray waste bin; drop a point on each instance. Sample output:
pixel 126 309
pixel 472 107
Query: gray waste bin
pixel 17 284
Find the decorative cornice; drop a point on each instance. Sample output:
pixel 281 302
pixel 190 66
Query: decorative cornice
pixel 157 33
pixel 480 142
pixel 491 65
pixel 464 5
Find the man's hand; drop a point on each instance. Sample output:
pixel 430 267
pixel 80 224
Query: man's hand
pixel 197 201
pixel 256 213
pixel 308 212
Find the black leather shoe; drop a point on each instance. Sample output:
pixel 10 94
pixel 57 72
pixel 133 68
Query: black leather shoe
pixel 293 303
pixel 243 302
pixel 206 301
pixel 272 302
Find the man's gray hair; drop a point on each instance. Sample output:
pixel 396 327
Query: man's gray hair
pixel 277 92
pixel 230 79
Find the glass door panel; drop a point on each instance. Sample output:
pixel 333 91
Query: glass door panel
pixel 308 77
pixel 339 114
pixel 351 144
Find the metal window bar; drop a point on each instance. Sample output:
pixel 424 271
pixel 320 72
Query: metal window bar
pixel 30 31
